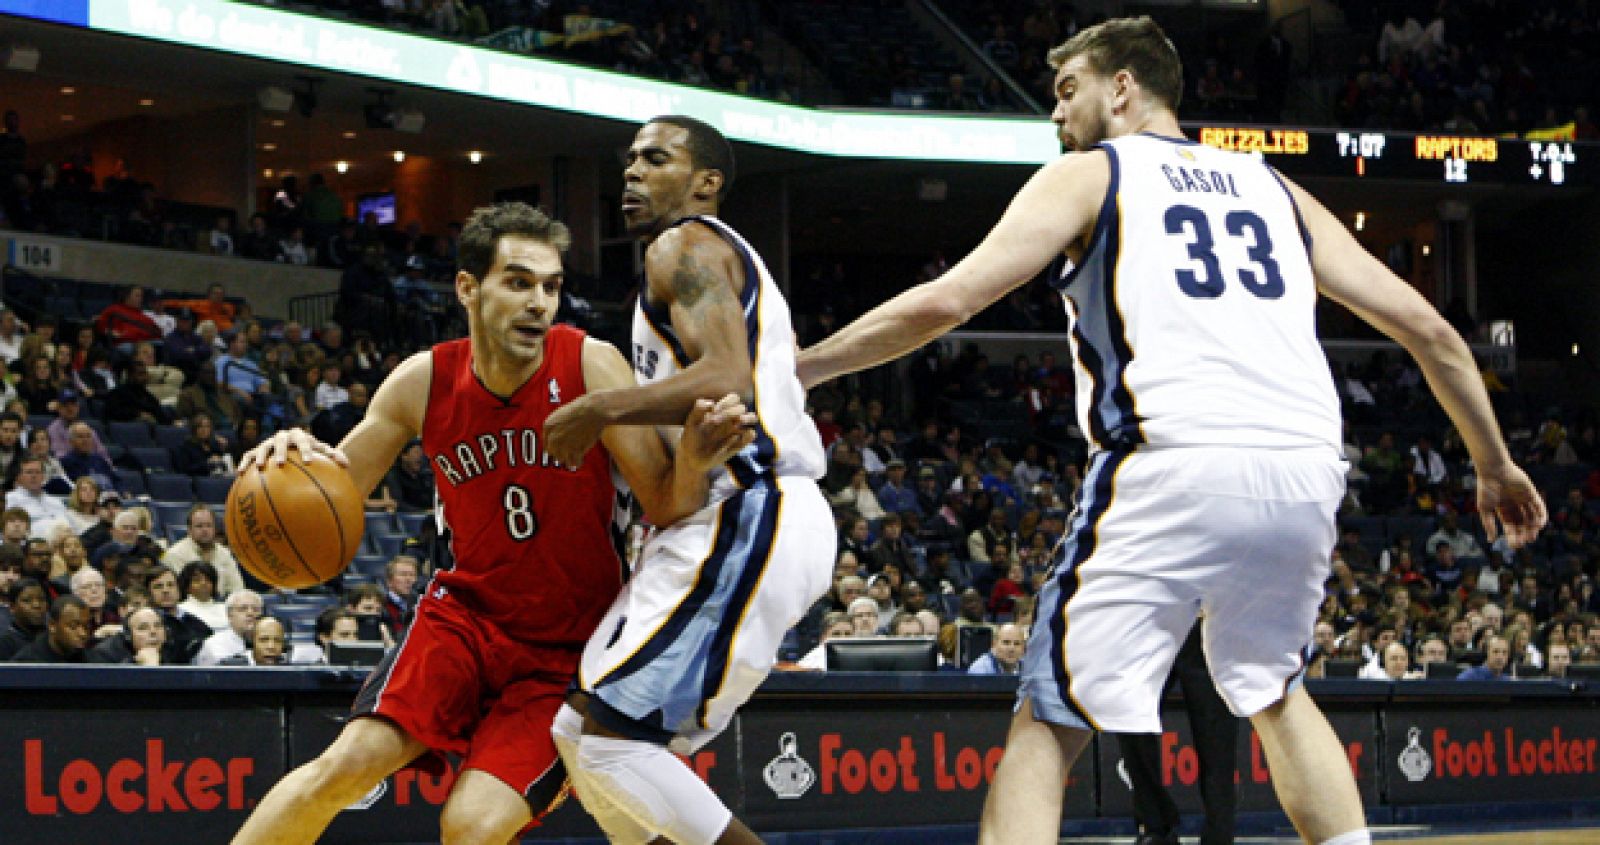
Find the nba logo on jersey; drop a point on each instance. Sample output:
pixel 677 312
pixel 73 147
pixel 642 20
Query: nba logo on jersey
pixel 555 392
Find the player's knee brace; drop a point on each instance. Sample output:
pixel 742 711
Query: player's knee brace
pixel 659 792
pixel 566 729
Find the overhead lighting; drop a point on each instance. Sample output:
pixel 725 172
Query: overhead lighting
pixel 68 90
pixel 342 166
pixel 67 118
pixel 269 147
pixel 475 156
pixel 1427 250
pixel 266 172
pixel 1574 350
pixel 147 102
pixel 277 124
pixel 399 156
pixel 1361 220
pixel 348 135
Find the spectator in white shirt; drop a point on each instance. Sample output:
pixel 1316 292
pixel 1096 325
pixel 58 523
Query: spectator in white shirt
pixel 243 608
pixel 44 510
pixel 329 393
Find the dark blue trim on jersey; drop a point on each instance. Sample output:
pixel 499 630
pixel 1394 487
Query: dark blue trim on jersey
pixel 1102 346
pixel 1299 219
pixel 1063 279
pixel 766 531
pixel 660 319
pixel 1090 359
pixel 1085 536
pixel 1124 428
pixel 705 584
pixel 616 721
pixel 755 461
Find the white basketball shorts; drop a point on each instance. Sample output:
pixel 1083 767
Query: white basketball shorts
pixel 1241 537
pixel 698 626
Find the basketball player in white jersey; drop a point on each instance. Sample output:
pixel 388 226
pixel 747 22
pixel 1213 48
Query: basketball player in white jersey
pixel 1215 469
pixel 697 627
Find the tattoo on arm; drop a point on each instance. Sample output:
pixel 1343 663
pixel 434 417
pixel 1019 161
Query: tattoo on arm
pixel 693 281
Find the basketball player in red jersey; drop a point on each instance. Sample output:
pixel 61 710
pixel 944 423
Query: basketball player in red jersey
pixel 497 636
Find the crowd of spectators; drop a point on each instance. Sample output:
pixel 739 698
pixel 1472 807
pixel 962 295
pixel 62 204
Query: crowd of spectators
pixel 1474 67
pixel 155 389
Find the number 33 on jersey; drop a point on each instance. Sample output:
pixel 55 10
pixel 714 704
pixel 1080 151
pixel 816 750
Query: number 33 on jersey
pixel 1199 263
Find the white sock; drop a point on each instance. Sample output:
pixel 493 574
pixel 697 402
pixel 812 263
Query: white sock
pixel 1354 837
pixel 657 790
pixel 618 826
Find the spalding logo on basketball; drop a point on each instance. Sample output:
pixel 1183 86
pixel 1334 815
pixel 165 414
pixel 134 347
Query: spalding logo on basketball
pixel 295 525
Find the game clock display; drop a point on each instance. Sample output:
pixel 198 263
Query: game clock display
pixel 1452 159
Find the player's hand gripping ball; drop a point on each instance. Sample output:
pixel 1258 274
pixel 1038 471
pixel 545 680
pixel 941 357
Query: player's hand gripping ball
pixel 297 524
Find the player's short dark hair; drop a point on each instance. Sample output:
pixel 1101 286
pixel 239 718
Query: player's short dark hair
pixel 489 223
pixel 708 148
pixel 1134 44
pixel 10 416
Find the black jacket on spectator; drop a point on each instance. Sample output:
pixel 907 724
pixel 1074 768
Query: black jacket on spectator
pixel 193 458
pixel 15 638
pixel 413 492
pixel 39 651
pixel 185 634
pixel 332 424
pixel 127 401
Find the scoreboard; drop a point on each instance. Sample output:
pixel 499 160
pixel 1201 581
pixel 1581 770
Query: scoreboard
pixel 1452 159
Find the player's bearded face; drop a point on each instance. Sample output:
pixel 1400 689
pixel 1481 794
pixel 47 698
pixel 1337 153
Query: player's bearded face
pixel 1081 106
pixel 516 301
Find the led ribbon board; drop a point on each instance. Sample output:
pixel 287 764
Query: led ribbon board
pixel 277 35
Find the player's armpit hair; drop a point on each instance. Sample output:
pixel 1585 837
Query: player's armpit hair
pixel 694 282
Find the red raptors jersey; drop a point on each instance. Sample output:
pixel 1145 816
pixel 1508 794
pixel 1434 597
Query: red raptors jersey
pixel 531 538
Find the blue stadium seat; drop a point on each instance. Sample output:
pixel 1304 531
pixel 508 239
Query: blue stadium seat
pixel 380 522
pixel 213 489
pixel 175 532
pixel 370 566
pixel 131 434
pixel 174 512
pixel 171 437
pixel 166 487
pixel 131 482
pixel 153 459
pixel 388 545
pixel 40 421
pixel 411 523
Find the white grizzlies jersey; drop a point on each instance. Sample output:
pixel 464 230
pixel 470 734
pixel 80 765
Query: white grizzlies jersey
pixel 786 441
pixel 1193 308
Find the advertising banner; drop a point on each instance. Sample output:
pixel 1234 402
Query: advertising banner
pixel 848 767
pixel 125 774
pixel 1440 755
pixel 1180 764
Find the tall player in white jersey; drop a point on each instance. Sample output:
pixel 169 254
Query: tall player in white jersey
pixel 697 627
pixel 1215 469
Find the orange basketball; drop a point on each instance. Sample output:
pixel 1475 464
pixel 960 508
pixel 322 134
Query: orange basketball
pixel 295 525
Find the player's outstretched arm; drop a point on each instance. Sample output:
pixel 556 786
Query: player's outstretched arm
pixel 393 418
pixel 1350 275
pixel 669 489
pixel 696 273
pixel 1057 206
